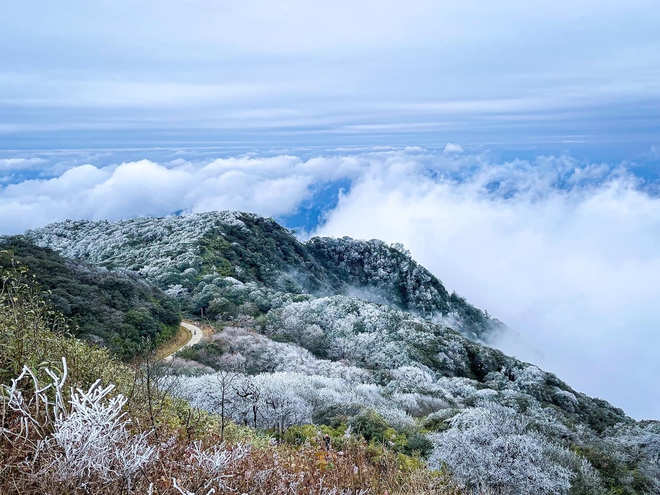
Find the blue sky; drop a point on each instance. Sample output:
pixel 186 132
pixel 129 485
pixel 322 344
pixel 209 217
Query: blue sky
pixel 512 146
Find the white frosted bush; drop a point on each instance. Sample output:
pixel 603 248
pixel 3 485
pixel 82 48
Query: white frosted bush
pixel 93 439
pixel 83 440
pixel 490 450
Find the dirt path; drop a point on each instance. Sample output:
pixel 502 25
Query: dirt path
pixel 197 335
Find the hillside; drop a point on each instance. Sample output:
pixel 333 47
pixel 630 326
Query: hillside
pixel 357 338
pixel 115 309
pixel 177 253
pixel 75 420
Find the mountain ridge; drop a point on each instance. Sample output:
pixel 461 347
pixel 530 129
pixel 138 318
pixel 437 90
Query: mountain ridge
pixel 178 251
pixel 112 308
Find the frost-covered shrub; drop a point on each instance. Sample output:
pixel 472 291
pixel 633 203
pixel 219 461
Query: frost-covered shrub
pixel 87 445
pixel 80 441
pixel 396 418
pixel 418 405
pixel 92 440
pixel 491 449
pixel 215 460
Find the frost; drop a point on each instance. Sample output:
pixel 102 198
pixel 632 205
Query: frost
pixel 491 449
pixel 90 437
pixel 179 252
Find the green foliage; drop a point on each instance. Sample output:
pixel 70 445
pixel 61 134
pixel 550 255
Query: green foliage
pixel 365 311
pixel 35 335
pixel 221 307
pixel 436 422
pixel 370 425
pixel 621 478
pixel 114 309
pixel 207 353
pixel 298 435
pixel 251 248
pixel 418 444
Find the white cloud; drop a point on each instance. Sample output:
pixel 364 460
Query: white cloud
pixel 573 269
pixel 16 164
pixel 453 148
pixel 654 152
pixel 270 186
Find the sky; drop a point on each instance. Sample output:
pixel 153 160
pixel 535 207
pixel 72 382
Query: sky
pixel 112 73
pixel 512 146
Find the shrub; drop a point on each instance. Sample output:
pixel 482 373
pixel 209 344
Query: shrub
pixel 418 444
pixel 370 425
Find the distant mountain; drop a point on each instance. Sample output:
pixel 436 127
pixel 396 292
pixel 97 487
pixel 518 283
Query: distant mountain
pixel 175 253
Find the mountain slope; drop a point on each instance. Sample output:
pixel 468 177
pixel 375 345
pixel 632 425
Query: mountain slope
pixel 356 334
pixel 176 253
pixel 115 309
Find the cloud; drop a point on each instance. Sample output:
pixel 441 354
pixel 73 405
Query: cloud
pixel 271 186
pixel 564 251
pixel 497 72
pixel 653 153
pixel 19 164
pixel 453 148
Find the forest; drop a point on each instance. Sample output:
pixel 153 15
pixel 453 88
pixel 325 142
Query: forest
pixel 347 339
pixel 115 309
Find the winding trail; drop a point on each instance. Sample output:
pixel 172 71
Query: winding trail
pixel 196 338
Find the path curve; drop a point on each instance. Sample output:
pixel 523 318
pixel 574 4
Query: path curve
pixel 196 338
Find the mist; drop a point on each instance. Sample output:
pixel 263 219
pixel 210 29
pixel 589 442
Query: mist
pixel 565 253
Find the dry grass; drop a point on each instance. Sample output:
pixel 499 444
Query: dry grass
pixel 275 470
pixel 188 459
pixel 38 456
pixel 207 330
pixel 181 338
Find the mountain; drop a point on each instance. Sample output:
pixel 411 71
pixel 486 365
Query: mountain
pixel 358 337
pixel 115 309
pixel 177 253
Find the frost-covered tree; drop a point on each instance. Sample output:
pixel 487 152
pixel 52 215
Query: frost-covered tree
pixel 490 449
pixel 177 253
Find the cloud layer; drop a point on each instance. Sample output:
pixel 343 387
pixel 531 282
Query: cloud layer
pixel 271 186
pixel 475 71
pixel 563 251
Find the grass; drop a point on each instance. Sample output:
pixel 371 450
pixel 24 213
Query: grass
pixel 181 338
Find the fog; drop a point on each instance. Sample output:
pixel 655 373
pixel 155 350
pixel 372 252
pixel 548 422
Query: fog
pixel 564 253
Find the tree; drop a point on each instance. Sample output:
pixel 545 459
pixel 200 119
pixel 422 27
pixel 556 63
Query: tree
pixel 490 449
pixel 224 395
pixel 249 395
pixel 228 374
pixel 281 403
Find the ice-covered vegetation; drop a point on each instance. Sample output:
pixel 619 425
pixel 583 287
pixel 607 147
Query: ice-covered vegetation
pixel 86 442
pixel 356 340
pixel 497 424
pixel 176 253
pixel 66 429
